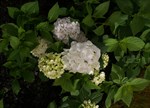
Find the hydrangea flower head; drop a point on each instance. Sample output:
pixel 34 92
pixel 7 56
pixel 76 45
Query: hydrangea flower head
pixel 65 28
pixel 81 57
pixel 40 49
pixel 51 65
pixel 89 104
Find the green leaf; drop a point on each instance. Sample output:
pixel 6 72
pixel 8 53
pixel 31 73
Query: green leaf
pixel 147 47
pixel 30 8
pixel 54 13
pixel 89 8
pixel 125 6
pixel 1 103
pixel 137 24
pixel 28 76
pixel 14 42
pixel 124 93
pixel 99 30
pixel 144 10
pixel 4 45
pixel 110 97
pixel 96 97
pixel 15 86
pixel 112 44
pixel 91 85
pixel 21 20
pixel 138 84
pixel 147 73
pixel 117 72
pixel 88 21
pixel 133 43
pixel 145 35
pixel 43 26
pixel 24 52
pixel 47 35
pixel 52 105
pixel 65 82
pixel 13 55
pixel 12 11
pixel 63 11
pixel 10 29
pixel 43 77
pixel 101 9
pixel 116 19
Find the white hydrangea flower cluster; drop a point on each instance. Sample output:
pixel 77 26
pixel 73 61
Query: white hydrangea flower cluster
pixel 82 57
pixel 89 104
pixel 65 28
pixel 105 59
pixel 98 79
pixel 51 65
pixel 40 49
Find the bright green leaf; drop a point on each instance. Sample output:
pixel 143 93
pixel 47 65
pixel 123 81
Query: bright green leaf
pixel 133 43
pixel 99 30
pixel 112 44
pixel 124 93
pixel 101 9
pixel 125 6
pixel 53 13
pixel 117 72
pixel 138 84
pixel 14 42
pixel 30 8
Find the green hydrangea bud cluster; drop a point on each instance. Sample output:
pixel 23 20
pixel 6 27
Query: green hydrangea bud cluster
pixel 105 59
pixel 98 79
pixel 51 65
pixel 89 104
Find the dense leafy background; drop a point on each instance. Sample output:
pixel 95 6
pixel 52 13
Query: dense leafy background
pixel 120 28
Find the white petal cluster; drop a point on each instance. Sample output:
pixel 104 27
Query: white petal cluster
pixel 65 28
pixel 40 49
pixel 98 79
pixel 105 59
pixel 82 57
pixel 51 65
pixel 89 104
